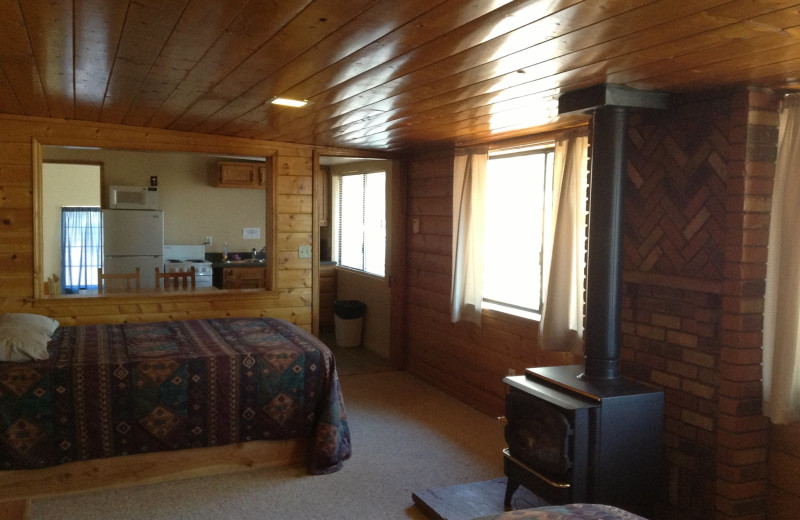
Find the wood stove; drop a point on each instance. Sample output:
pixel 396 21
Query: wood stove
pixel 572 440
pixel 582 433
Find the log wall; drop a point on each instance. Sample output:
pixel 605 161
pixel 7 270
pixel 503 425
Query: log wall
pixel 465 360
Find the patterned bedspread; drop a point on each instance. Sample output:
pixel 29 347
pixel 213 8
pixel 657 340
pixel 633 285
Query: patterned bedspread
pixel 567 512
pixel 112 390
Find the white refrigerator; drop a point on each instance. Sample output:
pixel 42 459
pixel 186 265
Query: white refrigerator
pixel 133 238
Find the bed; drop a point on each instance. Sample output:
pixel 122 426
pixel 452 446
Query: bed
pixel 567 512
pixel 100 391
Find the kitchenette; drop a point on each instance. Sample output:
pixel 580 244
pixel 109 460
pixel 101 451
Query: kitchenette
pixel 170 211
pixel 133 235
pixel 237 271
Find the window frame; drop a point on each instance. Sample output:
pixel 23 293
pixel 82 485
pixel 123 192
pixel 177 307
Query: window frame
pixel 336 218
pixel 88 269
pixel 546 147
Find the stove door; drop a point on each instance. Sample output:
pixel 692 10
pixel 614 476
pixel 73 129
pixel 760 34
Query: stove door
pixel 539 434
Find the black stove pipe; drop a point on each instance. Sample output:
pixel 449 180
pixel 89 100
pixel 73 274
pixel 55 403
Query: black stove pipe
pixel 604 262
pixel 609 105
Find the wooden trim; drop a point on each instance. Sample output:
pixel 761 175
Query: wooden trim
pixel 353 152
pixel 128 137
pixel 673 282
pixel 316 209
pixel 38 245
pixel 398 348
pixel 271 193
pixel 148 468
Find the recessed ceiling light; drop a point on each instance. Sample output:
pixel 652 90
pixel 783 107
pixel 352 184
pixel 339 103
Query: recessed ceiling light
pixel 288 102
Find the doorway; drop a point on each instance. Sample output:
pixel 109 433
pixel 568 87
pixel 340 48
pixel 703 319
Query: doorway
pixel 354 230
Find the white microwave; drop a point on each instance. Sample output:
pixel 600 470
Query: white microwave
pixel 133 197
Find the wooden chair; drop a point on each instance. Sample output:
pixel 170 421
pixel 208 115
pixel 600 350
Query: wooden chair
pixel 175 279
pixel 107 282
pixel 51 286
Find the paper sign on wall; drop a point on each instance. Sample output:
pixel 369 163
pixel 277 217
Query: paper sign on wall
pixel 251 232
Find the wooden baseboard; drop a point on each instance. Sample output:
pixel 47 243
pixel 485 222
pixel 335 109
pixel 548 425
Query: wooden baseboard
pixel 131 470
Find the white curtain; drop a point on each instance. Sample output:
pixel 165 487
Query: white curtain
pixel 781 361
pixel 564 250
pixel 469 187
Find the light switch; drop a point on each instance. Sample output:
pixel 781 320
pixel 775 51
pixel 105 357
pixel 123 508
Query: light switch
pixel 304 251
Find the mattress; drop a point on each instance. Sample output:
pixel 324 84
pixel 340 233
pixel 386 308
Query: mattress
pixel 114 390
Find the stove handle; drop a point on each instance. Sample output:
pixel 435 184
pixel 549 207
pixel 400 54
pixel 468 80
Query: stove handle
pixel 553 483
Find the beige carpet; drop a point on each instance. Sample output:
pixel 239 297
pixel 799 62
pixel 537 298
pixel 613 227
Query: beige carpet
pixel 354 360
pixel 406 436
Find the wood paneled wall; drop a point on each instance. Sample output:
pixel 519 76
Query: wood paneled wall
pixel 467 361
pixel 293 226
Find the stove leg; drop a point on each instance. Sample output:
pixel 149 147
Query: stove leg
pixel 511 487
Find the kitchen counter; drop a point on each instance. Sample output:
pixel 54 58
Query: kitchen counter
pixel 238 263
pixel 239 274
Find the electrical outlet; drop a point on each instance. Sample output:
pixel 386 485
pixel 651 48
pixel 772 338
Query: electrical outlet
pixel 304 251
pixel 207 241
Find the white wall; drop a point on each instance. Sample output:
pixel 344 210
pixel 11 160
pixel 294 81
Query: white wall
pixel 372 290
pixel 64 185
pixel 375 292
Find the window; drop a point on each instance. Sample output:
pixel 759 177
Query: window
pixel 82 247
pixel 359 222
pixel 518 189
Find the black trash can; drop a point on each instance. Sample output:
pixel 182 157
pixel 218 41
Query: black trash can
pixel 349 322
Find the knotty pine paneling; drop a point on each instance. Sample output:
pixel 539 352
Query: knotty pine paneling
pixel 292 296
pixel 294 223
pixel 466 361
pixel 294 204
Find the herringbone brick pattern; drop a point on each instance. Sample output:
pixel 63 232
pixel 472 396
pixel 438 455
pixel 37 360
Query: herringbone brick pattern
pixel 675 214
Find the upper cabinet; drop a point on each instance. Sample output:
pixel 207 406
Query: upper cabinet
pixel 241 175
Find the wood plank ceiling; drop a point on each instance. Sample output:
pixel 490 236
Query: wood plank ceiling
pixel 380 74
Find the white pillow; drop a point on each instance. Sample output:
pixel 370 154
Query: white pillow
pixel 35 322
pixel 19 344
